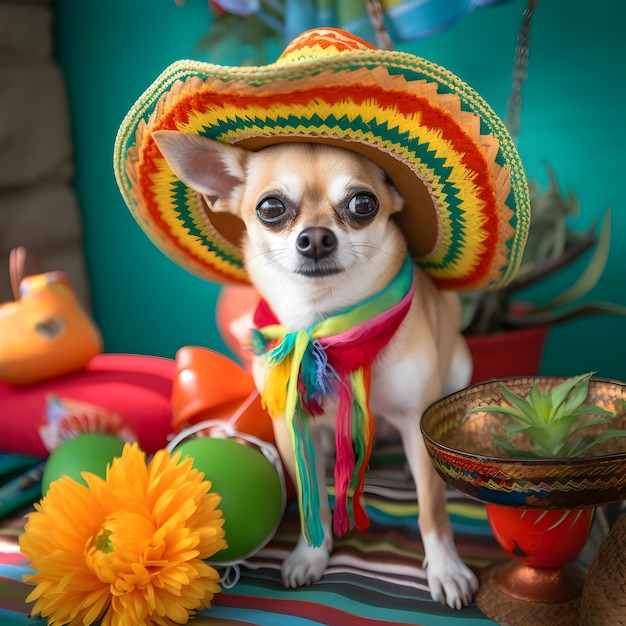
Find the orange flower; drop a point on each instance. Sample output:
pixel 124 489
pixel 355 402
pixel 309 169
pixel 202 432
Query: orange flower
pixel 128 550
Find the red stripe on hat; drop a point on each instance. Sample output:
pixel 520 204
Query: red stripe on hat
pixel 146 169
pixel 405 103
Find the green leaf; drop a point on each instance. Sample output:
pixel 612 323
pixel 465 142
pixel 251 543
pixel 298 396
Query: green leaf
pixel 590 409
pixel 584 309
pixel 589 278
pixel 557 451
pixel 542 403
pixel 588 424
pixel 587 442
pixel 512 450
pixel 519 403
pixel 575 402
pixel 502 409
pixel 510 430
pixel 549 419
pixel 574 386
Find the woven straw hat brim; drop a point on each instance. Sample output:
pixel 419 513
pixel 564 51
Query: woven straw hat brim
pixel 467 209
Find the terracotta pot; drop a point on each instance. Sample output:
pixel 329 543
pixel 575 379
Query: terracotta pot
pixel 510 353
pixel 542 544
pixel 540 538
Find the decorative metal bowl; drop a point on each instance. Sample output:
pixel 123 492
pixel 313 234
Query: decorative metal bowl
pixel 462 449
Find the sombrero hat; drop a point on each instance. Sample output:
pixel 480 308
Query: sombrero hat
pixel 467 207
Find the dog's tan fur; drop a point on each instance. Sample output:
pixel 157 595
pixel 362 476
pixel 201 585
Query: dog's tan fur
pixel 427 357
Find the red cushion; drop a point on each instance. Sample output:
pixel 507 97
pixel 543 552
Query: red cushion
pixel 137 388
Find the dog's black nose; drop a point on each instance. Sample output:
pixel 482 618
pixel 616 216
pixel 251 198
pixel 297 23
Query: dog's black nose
pixel 316 242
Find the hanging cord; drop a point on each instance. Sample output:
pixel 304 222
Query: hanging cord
pixel 520 71
pixel 223 428
pixel 231 576
pixel 226 429
pixel 375 13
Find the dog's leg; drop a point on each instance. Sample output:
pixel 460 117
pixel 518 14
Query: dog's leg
pixel 306 564
pixel 451 582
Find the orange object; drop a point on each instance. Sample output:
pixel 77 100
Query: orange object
pixel 235 306
pixel 209 386
pixel 45 332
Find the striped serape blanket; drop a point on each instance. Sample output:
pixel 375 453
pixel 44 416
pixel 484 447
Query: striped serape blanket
pixel 375 577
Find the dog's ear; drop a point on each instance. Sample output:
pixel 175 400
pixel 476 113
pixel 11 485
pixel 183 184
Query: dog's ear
pixel 211 167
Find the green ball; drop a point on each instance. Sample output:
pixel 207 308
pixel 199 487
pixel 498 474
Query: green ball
pixel 250 488
pixel 89 452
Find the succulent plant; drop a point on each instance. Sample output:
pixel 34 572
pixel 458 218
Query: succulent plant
pixel 551 247
pixel 555 420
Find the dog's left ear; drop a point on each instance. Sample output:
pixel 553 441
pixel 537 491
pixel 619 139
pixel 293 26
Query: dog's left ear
pixel 211 167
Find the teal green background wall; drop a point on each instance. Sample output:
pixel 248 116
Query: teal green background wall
pixel 572 117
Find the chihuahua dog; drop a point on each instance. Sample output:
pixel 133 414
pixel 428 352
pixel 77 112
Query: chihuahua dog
pixel 320 238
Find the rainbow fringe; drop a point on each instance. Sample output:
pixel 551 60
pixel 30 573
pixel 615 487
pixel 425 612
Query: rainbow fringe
pixel 305 366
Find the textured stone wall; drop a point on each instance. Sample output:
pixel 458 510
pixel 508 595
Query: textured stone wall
pixel 38 207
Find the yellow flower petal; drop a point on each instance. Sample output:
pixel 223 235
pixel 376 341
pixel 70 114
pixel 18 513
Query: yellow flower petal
pixel 129 549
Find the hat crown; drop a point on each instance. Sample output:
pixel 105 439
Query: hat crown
pixel 321 42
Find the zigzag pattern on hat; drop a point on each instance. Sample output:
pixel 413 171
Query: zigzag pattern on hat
pixel 467 207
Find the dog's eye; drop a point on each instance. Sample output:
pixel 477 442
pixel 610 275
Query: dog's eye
pixel 270 210
pixel 363 206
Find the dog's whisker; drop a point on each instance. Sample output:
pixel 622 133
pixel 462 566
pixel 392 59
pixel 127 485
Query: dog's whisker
pixel 363 255
pixel 270 257
pixel 376 249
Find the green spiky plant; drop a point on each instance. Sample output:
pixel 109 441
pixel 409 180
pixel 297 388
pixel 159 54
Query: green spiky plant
pixel 551 247
pixel 555 421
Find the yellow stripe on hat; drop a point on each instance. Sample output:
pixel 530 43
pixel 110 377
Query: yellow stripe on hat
pixel 422 125
pixel 164 181
pixel 459 176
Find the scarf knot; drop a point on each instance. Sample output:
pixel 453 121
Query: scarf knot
pixel 332 358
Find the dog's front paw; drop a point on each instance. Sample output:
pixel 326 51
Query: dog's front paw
pixel 451 582
pixel 305 564
pixel 455 585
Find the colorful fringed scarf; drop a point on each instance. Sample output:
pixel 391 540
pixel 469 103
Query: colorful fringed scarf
pixel 332 357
